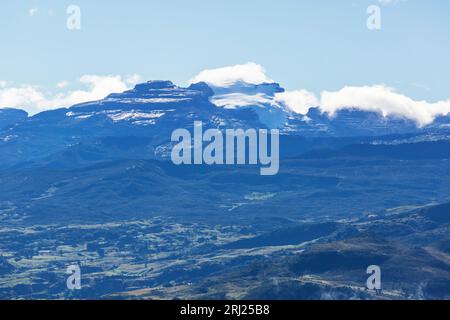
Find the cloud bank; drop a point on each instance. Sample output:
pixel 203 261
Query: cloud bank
pixel 34 99
pixel 376 98
pixel 385 101
pixel 299 101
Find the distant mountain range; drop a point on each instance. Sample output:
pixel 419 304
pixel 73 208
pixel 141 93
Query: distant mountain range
pixel 93 185
pixel 152 110
pixel 119 147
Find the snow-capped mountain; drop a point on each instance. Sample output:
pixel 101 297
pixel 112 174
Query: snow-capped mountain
pixel 265 99
pixel 138 123
pixel 349 122
pixel 258 97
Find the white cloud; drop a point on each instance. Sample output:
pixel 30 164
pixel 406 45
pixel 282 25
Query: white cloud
pixel 33 99
pixel 222 77
pixel 133 79
pixel 24 96
pixel 98 88
pixel 299 101
pixel 235 100
pixel 384 100
pixel 378 98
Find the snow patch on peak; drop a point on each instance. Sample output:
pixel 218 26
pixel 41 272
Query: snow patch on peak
pixel 135 115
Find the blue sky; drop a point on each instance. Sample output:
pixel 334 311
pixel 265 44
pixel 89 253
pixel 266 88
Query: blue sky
pixel 314 45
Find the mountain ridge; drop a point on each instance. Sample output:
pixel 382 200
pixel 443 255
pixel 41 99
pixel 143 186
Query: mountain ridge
pixel 260 98
pixel 151 111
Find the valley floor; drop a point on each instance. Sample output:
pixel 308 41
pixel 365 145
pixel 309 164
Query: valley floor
pixel 163 258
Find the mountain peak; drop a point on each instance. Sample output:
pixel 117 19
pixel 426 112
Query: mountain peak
pixel 11 116
pixel 269 89
pixel 154 85
pixel 162 91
